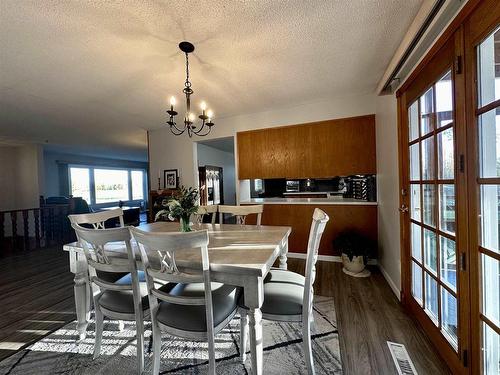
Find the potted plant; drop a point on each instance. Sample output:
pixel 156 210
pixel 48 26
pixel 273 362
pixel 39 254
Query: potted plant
pixel 180 206
pixel 356 249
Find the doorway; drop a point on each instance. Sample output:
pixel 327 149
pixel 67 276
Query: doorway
pixel 216 171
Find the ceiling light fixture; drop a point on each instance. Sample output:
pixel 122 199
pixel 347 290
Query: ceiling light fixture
pixel 189 118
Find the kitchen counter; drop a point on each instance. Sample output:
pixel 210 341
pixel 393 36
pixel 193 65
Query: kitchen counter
pixel 319 201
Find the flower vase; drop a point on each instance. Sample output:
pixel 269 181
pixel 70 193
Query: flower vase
pixel 184 220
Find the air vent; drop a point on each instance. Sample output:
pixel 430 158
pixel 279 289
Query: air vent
pixel 401 359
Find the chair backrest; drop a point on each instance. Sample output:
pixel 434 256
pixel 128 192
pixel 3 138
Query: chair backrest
pixel 319 220
pixel 97 219
pixel 205 210
pixel 94 243
pixel 160 251
pixel 241 212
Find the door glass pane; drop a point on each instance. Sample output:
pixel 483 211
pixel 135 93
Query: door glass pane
pixel 416 282
pixel 491 288
pixel 413 120
pixel 449 316
pixel 491 351
pixel 426 111
pixel 448 262
pixel 489 143
pixel 428 158
pixel 111 185
pixel 137 184
pixel 80 183
pixel 490 218
pixel 416 241
pixel 429 201
pixel 431 297
pixel 415 162
pixel 446 164
pixel 489 73
pixel 430 251
pixel 415 202
pixel 444 100
pixel 447 208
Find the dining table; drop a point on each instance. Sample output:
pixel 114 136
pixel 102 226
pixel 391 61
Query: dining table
pixel 239 255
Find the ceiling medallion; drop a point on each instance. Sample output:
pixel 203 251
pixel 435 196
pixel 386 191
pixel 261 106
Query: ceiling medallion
pixel 189 118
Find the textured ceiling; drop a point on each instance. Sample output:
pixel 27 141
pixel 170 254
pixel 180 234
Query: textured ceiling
pixel 97 73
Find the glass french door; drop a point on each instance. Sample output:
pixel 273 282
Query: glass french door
pixel 487 190
pixel 430 206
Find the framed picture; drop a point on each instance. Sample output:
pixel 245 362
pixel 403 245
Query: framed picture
pixel 171 179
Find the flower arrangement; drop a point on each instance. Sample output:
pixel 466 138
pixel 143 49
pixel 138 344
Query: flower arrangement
pixel 180 206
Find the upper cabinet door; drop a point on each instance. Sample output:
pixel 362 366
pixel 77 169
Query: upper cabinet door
pixel 322 149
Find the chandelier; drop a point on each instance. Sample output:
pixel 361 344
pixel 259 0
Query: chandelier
pixel 206 123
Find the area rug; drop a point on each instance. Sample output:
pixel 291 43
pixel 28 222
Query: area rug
pixel 61 353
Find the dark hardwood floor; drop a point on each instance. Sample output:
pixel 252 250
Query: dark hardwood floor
pixel 36 291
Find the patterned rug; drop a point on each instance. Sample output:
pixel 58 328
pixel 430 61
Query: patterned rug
pixel 60 353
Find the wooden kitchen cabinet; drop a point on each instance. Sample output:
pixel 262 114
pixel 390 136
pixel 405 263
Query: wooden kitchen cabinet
pixel 322 149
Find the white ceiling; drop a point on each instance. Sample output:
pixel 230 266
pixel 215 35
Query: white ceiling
pixel 96 74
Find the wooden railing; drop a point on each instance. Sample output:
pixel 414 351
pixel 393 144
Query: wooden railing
pixel 34 228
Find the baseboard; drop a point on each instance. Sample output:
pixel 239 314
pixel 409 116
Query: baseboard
pixel 391 283
pixel 326 258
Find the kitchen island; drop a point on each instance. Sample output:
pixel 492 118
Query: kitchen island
pixel 345 214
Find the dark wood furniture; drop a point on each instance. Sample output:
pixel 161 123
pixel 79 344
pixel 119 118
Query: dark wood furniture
pixel 330 148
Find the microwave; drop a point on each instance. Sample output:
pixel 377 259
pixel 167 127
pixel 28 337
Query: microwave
pixel 292 186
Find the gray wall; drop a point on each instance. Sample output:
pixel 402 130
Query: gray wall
pixel 211 156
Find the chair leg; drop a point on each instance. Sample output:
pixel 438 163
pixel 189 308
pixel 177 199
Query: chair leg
pixel 140 343
pixel 243 335
pixel 99 322
pixel 306 338
pixel 156 347
pixel 211 355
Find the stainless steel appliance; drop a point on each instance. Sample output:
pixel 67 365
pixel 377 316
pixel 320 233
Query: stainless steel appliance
pixel 292 186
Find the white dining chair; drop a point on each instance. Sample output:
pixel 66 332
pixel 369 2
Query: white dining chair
pixel 195 308
pixel 241 212
pixel 288 296
pixel 125 299
pixel 206 210
pixel 97 219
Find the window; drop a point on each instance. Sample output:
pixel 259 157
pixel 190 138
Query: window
pixel 99 185
pixel 80 183
pixel 110 185
pixel 137 185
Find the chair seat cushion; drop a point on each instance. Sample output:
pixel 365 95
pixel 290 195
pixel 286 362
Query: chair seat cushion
pixel 193 318
pixel 122 301
pixel 283 293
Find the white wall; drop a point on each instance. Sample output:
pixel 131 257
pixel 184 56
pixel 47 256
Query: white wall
pixel 21 176
pixel 389 258
pixel 179 152
pixel 211 156
pixel 8 156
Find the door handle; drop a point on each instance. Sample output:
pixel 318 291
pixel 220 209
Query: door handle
pixel 403 208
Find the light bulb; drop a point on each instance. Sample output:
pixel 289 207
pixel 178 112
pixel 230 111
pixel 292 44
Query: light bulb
pixel 210 114
pixel 191 117
pixel 172 100
pixel 203 106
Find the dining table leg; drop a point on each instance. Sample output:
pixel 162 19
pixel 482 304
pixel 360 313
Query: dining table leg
pixel 82 294
pixel 283 254
pixel 254 296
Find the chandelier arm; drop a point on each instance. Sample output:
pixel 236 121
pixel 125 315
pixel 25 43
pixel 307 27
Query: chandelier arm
pixel 197 132
pixel 177 129
pixel 207 131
